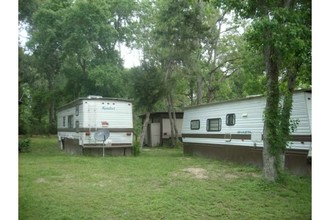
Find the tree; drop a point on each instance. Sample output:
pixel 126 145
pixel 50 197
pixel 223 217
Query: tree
pixel 219 51
pixel 25 113
pixel 175 35
pixel 194 44
pixel 26 8
pixel 73 45
pixel 91 33
pixel 46 48
pixel 249 77
pixel 281 30
pixel 148 90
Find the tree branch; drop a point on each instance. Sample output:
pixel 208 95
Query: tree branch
pixel 221 64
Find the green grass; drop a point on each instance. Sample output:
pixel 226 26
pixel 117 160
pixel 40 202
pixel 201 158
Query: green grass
pixel 159 184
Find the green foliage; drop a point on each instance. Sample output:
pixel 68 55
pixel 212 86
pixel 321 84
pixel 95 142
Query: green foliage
pixel 72 52
pixel 26 8
pixel 108 79
pixel 25 113
pixel 281 31
pixel 136 148
pixel 249 78
pixel 24 145
pixel 148 87
pixel 179 29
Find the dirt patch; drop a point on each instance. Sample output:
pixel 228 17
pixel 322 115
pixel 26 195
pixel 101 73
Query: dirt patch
pixel 41 180
pixel 201 173
pixel 198 173
pixel 230 176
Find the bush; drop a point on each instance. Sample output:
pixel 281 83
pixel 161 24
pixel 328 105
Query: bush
pixel 24 145
pixel 136 148
pixel 179 144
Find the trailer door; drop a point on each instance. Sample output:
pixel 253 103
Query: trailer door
pixel 91 116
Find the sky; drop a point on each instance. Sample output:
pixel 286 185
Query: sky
pixel 131 57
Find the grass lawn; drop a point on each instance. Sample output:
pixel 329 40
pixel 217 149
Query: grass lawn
pixel 161 183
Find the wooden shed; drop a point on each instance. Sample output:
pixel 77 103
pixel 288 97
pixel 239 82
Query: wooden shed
pixel 159 128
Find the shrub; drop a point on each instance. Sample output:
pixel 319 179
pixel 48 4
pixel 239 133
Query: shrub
pixel 24 145
pixel 136 148
pixel 179 144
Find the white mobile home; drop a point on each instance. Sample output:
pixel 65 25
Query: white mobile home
pixel 78 121
pixel 233 130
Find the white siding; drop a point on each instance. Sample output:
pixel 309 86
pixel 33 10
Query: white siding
pixel 117 114
pixel 249 120
pixel 300 113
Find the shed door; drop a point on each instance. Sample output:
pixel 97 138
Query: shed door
pixel 91 116
pixel 155 134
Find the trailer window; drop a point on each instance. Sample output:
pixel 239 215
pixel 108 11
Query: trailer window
pixel 213 124
pixel 194 124
pixel 230 119
pixel 70 121
pixel 64 121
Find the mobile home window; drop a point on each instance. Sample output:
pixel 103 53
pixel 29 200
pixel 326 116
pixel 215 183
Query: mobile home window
pixel 213 124
pixel 194 124
pixel 64 121
pixel 70 121
pixel 230 119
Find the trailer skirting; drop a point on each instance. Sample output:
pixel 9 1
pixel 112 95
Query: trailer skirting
pixel 295 160
pixel 72 146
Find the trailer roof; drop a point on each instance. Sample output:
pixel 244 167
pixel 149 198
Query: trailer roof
pixel 242 99
pixel 163 113
pixel 80 99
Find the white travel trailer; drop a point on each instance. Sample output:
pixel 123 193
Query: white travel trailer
pixel 78 121
pixel 233 130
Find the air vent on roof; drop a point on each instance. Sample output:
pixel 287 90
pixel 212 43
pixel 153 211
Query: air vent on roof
pixel 94 97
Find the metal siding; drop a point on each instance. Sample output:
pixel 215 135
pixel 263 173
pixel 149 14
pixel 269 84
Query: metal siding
pixel 300 113
pixel 91 114
pixel 252 124
pixel 119 117
pixel 117 113
pixel 308 98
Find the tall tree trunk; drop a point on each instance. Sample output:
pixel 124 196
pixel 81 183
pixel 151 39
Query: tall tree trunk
pixel 144 129
pixel 175 127
pixel 169 100
pixel 170 116
pixel 270 150
pixel 51 116
pixel 191 92
pixel 286 115
pixel 51 105
pixel 199 89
